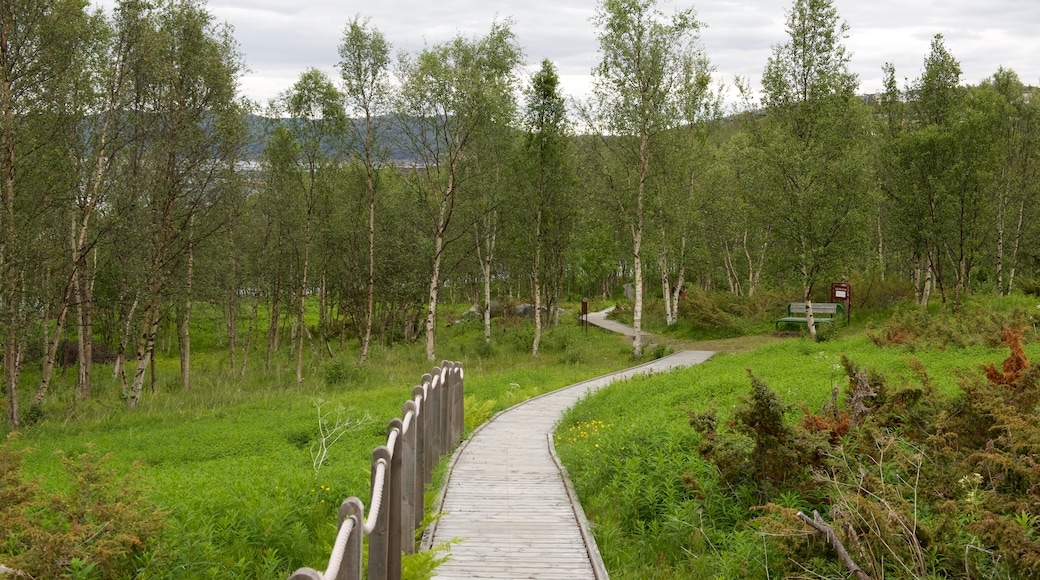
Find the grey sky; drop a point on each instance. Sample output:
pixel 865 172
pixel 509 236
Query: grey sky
pixel 281 38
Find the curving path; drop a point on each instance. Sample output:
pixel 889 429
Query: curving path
pixel 508 508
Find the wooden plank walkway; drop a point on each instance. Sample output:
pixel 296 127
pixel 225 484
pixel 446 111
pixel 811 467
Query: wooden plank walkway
pixel 507 504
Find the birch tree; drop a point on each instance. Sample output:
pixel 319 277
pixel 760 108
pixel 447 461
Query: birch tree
pixel 1014 185
pixel 547 177
pixel 449 94
pixel 40 44
pixel 365 68
pixel 184 90
pixel 640 87
pixel 811 146
pixel 316 123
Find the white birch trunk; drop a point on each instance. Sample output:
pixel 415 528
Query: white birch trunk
pixel 810 321
pixel 680 280
pixel 438 246
pixel 1015 245
pixel 145 353
pixel 537 290
pixel 366 339
pixel 666 287
pixel 184 330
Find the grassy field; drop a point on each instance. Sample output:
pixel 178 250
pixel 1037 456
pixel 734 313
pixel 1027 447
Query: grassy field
pixel 661 510
pixel 229 463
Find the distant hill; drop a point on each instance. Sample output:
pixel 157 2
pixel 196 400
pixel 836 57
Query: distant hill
pixel 260 127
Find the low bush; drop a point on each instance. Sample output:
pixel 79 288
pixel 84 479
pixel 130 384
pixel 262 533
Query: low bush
pixel 100 527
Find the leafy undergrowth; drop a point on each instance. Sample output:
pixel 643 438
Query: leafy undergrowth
pixel 707 315
pixel 231 464
pixel 99 527
pixel 921 459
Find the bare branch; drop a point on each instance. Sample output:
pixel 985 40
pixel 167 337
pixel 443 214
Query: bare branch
pixel 832 538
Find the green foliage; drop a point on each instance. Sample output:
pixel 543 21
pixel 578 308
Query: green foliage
pixel 228 464
pixel 477 412
pixel 423 565
pixel 100 527
pixel 973 323
pixel 340 371
pixel 885 449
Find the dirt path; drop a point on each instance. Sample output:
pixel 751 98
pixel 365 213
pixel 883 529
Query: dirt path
pixel 726 345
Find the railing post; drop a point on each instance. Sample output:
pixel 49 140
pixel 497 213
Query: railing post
pixel 378 546
pixel 351 567
pixel 420 441
pixel 429 412
pixel 394 493
pixel 459 401
pixel 409 463
pixel 437 412
pixel 445 407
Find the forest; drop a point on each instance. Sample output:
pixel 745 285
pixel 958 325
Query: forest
pixel 139 186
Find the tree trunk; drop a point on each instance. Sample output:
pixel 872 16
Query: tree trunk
pixel 732 275
pixel 880 245
pixel 680 281
pixel 51 354
pixel 666 286
pixel 184 330
pixel 366 338
pixel 637 309
pixel 431 309
pixel 637 245
pixel 300 334
pixel 486 257
pixel 536 279
pixel 248 346
pixel 1015 245
pixel 8 294
pixel 438 247
pixel 233 307
pixel 272 328
pixel 145 352
pixel 810 321
pixel 85 330
pixel 755 273
pixel 119 368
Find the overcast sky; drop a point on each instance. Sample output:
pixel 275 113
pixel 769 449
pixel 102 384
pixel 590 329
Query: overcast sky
pixel 281 38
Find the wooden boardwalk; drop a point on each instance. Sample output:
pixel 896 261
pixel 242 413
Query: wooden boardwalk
pixel 507 505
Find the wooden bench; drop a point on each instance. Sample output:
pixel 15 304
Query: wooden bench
pixel 823 312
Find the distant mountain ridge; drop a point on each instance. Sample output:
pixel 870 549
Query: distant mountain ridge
pixel 260 127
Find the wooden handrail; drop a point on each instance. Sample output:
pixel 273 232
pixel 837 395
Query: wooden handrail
pixel 431 425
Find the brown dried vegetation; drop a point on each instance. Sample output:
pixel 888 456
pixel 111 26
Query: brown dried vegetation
pixel 101 524
pixel 915 485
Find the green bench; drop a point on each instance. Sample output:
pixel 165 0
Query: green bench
pixel 823 312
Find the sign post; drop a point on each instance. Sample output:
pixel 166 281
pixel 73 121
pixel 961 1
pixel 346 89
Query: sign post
pixel 585 314
pixel 841 292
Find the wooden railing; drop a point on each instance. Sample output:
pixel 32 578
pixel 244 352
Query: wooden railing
pixel 430 426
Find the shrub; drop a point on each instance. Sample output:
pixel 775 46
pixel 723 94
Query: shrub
pixel 871 291
pixel 760 449
pixel 340 371
pixel 100 526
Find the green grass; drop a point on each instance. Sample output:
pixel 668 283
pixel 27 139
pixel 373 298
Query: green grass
pixel 657 507
pixel 229 464
pixel 229 461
